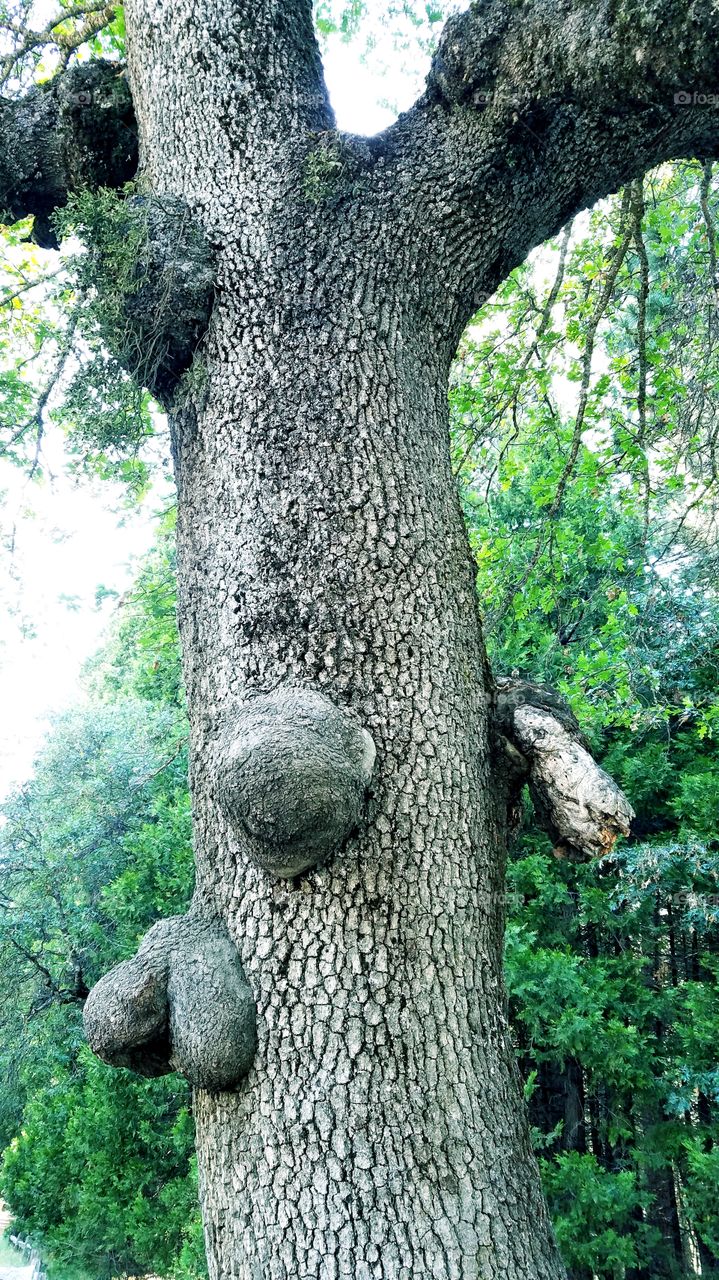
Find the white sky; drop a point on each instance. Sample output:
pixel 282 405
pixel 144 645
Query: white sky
pixel 69 540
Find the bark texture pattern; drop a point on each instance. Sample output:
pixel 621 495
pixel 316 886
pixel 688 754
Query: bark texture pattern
pixel 294 774
pixel 181 1004
pixel 380 1132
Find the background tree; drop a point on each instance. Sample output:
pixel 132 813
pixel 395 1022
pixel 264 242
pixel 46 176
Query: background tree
pixel 321 548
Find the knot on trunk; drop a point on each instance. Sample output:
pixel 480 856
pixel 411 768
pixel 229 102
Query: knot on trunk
pixel 181 1004
pixel 464 66
pixel 293 776
pixel 579 806
pixel 148 281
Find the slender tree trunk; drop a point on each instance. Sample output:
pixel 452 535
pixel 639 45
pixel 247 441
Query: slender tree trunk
pixel 559 1099
pixel 659 1178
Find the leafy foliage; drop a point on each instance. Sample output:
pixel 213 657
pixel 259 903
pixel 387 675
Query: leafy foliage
pixel 585 445
pixel 98 1167
pixel 102 1171
pixel 39 42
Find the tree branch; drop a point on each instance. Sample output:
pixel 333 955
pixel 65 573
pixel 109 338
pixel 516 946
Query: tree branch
pixel 536 109
pixel 77 131
pixel 579 806
pixel 67 30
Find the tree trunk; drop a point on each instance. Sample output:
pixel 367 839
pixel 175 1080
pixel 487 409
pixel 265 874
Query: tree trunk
pixel 381 1130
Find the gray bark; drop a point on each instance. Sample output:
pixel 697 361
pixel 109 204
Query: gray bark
pixel 75 131
pixel 379 1131
pixel 575 801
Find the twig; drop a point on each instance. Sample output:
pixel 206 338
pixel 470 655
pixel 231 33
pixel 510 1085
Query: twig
pixel 638 209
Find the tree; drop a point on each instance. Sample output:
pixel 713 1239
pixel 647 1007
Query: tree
pixel 294 296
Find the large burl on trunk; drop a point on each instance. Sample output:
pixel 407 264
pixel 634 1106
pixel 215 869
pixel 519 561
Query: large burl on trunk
pixel 335 993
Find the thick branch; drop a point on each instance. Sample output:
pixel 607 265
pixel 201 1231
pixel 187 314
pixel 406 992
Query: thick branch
pixel 535 109
pixel 579 806
pixel 181 1004
pixel 77 131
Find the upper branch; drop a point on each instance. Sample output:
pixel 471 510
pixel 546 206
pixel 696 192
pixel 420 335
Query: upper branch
pixel 535 109
pixel 77 131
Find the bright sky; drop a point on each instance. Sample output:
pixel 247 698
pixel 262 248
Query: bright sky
pixel 68 538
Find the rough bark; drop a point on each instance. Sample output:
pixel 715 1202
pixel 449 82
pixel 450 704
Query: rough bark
pixel 379 1131
pixel 293 777
pixel 76 131
pixel 579 806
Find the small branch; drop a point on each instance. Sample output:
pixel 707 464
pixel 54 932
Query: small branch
pixel 7 299
pixel 544 321
pixel 180 745
pixel 637 202
pixel 35 962
pixel 37 418
pixel 96 17
pixel 579 806
pixel 704 190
